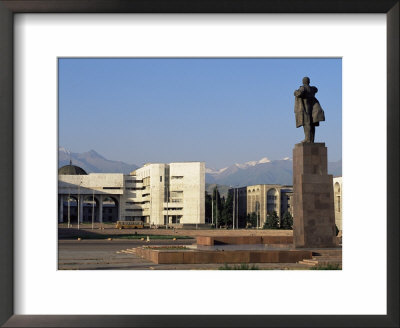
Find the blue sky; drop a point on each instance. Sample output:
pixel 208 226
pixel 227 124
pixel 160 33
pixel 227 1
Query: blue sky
pixel 221 111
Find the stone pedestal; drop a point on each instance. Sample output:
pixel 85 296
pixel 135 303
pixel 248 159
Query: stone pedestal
pixel 313 204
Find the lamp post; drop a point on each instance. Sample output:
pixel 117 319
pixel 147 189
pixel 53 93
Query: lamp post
pixel 79 201
pixel 93 211
pixel 216 204
pixel 166 221
pixel 237 208
pixel 69 218
pixel 233 207
pixel 257 213
pixel 212 208
pixel 150 205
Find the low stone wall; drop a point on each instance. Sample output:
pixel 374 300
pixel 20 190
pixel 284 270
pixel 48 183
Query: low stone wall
pixel 243 240
pixel 204 257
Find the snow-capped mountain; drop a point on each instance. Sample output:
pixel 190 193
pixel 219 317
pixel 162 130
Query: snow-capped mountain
pixel 212 171
pixel 253 163
pixel 263 171
pixel 249 173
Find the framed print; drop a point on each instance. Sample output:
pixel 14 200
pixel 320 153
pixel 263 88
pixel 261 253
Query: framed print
pixel 35 293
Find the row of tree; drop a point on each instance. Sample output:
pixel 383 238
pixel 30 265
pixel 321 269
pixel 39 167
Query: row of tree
pixel 272 221
pixel 221 210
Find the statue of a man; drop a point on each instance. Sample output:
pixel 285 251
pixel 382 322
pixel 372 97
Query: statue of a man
pixel 307 109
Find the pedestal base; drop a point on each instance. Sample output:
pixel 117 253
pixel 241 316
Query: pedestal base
pixel 313 207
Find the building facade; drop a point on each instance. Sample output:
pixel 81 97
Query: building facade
pixel 262 199
pixel 337 194
pixel 157 194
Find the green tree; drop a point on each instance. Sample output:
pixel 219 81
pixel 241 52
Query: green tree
pixel 287 221
pixel 227 212
pixel 272 221
pixel 251 220
pixel 208 207
pixel 217 207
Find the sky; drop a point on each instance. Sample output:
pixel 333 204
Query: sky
pixel 217 110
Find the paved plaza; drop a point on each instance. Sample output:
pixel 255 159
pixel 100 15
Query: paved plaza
pixel 118 254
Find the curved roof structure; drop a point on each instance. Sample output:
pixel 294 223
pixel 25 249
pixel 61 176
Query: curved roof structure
pixel 71 170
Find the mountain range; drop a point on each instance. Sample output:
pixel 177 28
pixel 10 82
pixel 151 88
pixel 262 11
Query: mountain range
pixel 93 162
pixel 263 171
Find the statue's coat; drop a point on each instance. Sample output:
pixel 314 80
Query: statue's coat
pixel 306 104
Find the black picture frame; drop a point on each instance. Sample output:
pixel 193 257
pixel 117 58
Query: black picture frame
pixel 10 7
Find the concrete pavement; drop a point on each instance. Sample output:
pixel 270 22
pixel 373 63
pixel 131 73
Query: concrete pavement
pixel 119 255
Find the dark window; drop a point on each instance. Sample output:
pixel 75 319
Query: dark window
pixel 133 181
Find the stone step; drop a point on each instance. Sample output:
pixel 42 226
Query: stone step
pixel 310 261
pixel 319 258
pixel 307 263
pixel 327 259
pixel 327 253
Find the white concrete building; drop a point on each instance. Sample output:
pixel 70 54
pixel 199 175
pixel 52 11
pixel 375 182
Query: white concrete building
pixel 156 194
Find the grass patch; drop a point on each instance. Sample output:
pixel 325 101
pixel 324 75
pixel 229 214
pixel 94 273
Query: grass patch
pixel 242 266
pixel 327 267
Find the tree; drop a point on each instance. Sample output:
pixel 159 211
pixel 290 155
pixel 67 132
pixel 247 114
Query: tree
pixel 208 207
pixel 251 220
pixel 272 221
pixel 287 221
pixel 227 212
pixel 218 207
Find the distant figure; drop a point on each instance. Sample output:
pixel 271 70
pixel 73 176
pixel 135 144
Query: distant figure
pixel 307 110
